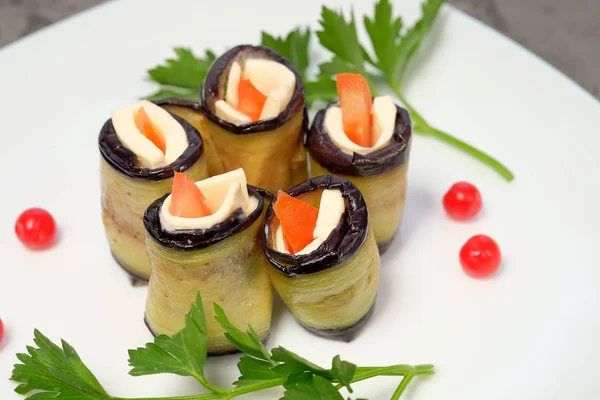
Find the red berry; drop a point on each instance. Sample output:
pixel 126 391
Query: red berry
pixel 36 228
pixel 480 256
pixel 462 201
pixel 1 331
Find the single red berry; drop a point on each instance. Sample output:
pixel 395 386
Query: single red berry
pixel 1 331
pixel 480 256
pixel 462 201
pixel 36 228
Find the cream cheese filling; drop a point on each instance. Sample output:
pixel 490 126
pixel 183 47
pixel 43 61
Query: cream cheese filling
pixel 331 209
pixel 384 120
pixel 274 80
pixel 224 194
pixel 146 152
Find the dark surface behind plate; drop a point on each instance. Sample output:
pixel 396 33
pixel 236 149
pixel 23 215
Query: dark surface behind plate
pixel 562 32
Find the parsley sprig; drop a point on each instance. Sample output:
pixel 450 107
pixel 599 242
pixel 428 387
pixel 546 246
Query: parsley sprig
pixel 51 372
pixel 394 51
pixel 394 48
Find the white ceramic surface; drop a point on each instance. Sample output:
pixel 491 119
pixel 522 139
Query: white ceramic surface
pixel 530 332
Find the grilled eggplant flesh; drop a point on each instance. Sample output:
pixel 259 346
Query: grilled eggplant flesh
pixel 270 151
pixel 332 290
pixel 380 176
pixel 128 190
pixel 385 195
pixel 225 264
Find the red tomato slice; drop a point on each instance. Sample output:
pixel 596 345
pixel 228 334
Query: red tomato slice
pixel 143 123
pixel 250 100
pixel 298 220
pixel 187 200
pixel 356 104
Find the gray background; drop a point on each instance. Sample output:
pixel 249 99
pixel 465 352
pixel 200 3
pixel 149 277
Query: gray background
pixel 564 32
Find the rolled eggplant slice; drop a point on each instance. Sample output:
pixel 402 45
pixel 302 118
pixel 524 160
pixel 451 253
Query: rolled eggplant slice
pixel 380 175
pixel 225 264
pixel 270 149
pixel 331 291
pixel 128 189
pixel 191 111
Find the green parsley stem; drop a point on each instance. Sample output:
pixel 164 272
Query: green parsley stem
pixel 404 370
pixel 238 391
pixel 224 395
pixel 423 127
pixel 363 373
pixel 403 385
pixel 209 386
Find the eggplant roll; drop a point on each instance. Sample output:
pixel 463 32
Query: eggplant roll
pixel 380 175
pixel 331 290
pixel 268 146
pixel 225 263
pixel 129 185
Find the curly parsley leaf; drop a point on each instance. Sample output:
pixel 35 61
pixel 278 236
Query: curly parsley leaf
pixel 184 71
pixel 343 372
pixel 338 35
pixel 318 388
pixel 393 49
pixel 253 370
pixel 181 76
pixel 385 32
pixel 291 363
pixel 238 338
pixel 183 353
pixel 52 372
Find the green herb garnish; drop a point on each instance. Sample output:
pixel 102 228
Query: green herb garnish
pixel 52 372
pixel 181 76
pixel 295 47
pixel 394 51
pixel 394 48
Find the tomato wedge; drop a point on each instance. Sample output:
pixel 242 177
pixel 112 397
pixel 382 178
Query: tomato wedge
pixel 143 123
pixel 187 200
pixel 356 103
pixel 298 220
pixel 250 100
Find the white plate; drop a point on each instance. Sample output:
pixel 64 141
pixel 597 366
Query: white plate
pixel 530 332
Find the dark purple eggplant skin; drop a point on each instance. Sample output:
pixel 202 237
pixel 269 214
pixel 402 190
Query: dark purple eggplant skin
pixel 212 90
pixel 123 160
pixel 326 153
pixel 344 334
pixel 179 102
pixel 196 239
pixel 341 244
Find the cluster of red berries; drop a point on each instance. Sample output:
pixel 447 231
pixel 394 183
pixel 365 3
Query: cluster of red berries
pixel 480 256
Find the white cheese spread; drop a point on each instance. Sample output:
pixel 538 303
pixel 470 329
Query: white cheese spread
pixel 384 120
pixel 224 194
pixel 274 80
pixel 148 155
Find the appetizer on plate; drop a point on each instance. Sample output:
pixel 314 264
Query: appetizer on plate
pixel 205 238
pixel 141 147
pixel 366 141
pixel 254 117
pixel 323 255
